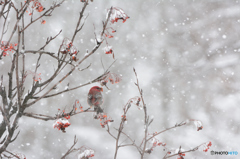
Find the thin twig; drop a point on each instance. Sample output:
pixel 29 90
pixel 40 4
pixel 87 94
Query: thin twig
pixel 133 142
pixel 70 72
pixel 177 125
pixel 71 148
pixel 47 117
pixel 46 13
pixel 108 130
pixel 12 154
pixel 182 152
pixel 4 24
pixel 79 20
pixel 145 116
pixel 49 40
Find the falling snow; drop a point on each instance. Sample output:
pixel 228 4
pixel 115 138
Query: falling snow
pixel 186 54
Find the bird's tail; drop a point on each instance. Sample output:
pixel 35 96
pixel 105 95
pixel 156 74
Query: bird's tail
pixel 98 110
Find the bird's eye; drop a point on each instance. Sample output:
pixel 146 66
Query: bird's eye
pixel 100 89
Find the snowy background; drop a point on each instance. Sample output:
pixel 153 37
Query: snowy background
pixel 186 54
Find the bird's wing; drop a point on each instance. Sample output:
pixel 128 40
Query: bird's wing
pixel 90 97
pixel 98 99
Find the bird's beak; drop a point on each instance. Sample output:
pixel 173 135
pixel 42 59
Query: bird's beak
pixel 101 89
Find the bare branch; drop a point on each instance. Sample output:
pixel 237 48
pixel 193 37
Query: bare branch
pixel 108 130
pixel 12 154
pixel 70 72
pixel 177 125
pixel 15 137
pixel 19 16
pixel 4 23
pixel 70 89
pixel 120 129
pixel 46 13
pixel 17 76
pixel 70 150
pixel 84 68
pixel 79 20
pixel 47 117
pixel 133 143
pixel 3 95
pixel 49 40
pixel 23 57
pixel 10 74
pixel 182 152
pixel 41 52
pixel 106 22
pixel 146 124
pixel 10 133
pixel 6 118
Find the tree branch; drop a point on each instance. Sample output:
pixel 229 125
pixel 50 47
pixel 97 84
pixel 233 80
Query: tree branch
pixel 46 13
pixel 146 117
pixel 70 150
pixel 79 20
pixel 70 72
pixel 182 152
pixel 47 117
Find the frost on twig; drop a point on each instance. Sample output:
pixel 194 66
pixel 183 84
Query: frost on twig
pixel 85 153
pixel 61 124
pixel 67 47
pixel 181 153
pixel 109 77
pixel 118 14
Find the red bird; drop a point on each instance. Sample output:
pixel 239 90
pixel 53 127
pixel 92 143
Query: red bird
pixel 95 98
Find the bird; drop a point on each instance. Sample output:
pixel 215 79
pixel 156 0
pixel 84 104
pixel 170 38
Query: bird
pixel 95 98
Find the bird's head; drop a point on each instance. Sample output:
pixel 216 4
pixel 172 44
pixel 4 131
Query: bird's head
pixel 96 88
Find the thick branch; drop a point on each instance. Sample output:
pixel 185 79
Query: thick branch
pixel 17 76
pixel 10 133
pixel 10 74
